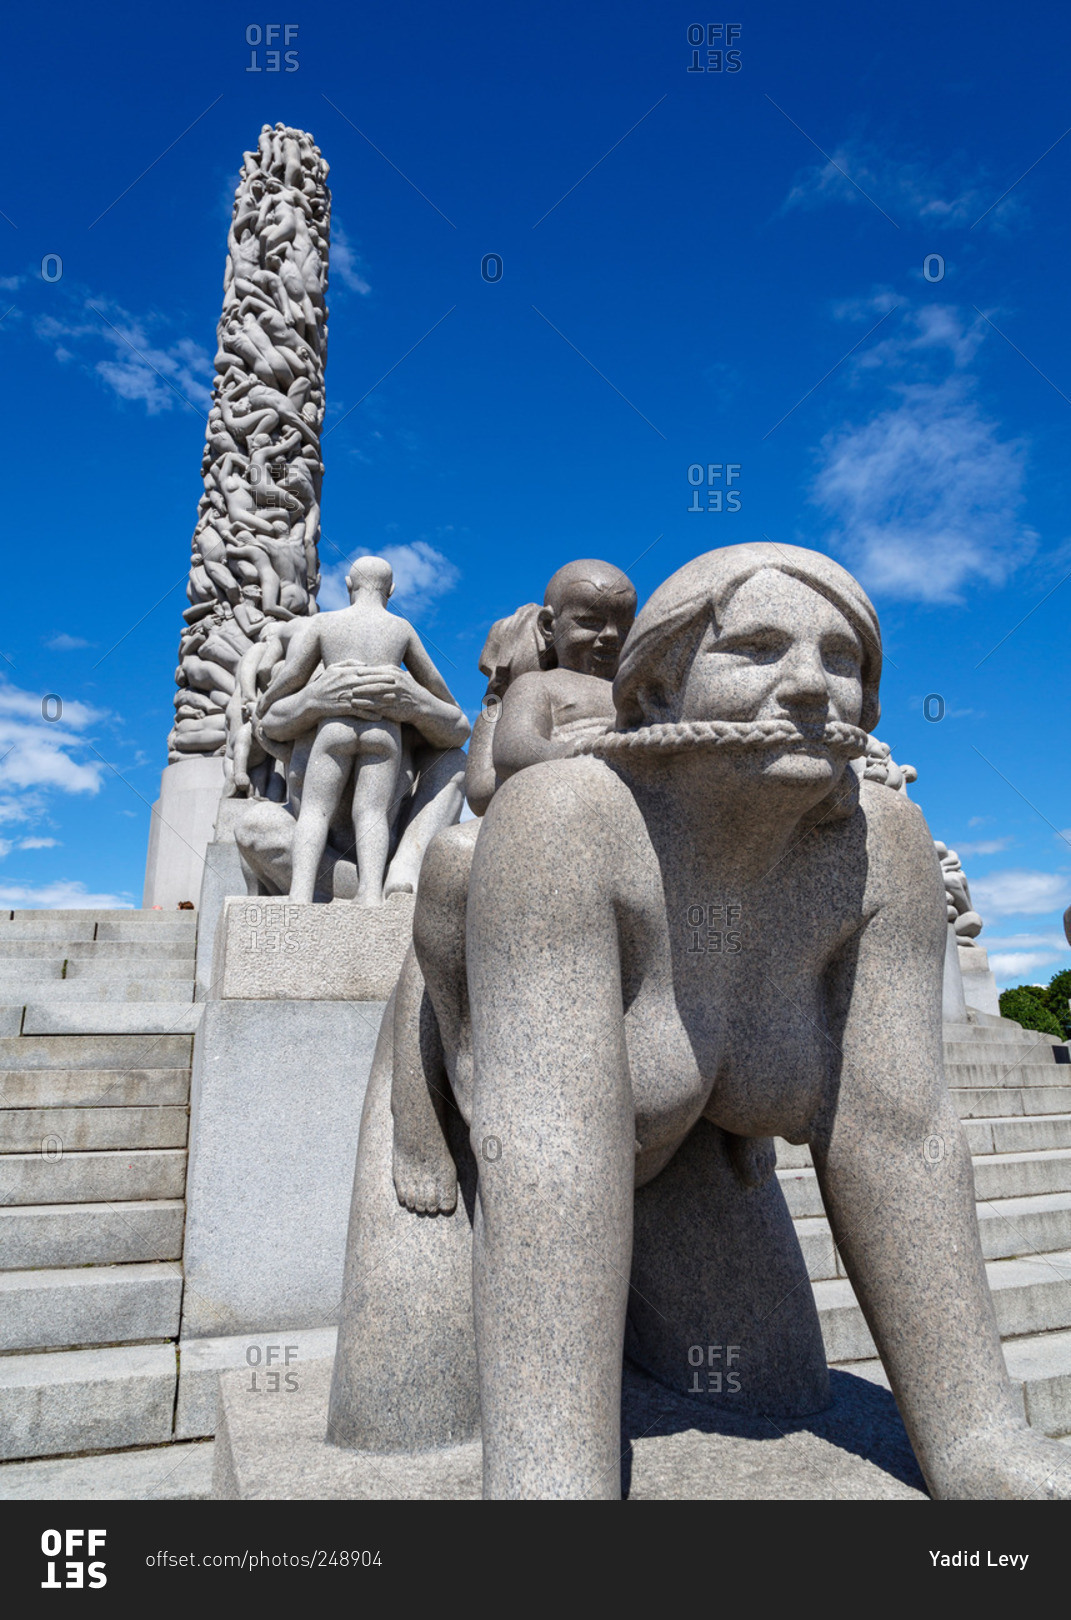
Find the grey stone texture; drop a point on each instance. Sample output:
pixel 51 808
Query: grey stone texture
pixel 268 949
pixel 89 1305
pixel 175 1473
pixel 180 831
pixel 223 876
pixel 275 1110
pixel 86 1400
pixel 670 1448
pixel 33 1235
pixel 712 928
pixel 274 1363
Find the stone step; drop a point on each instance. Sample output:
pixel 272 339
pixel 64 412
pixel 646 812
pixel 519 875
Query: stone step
pixel 89 1305
pixel 36 1235
pixel 202 1360
pixel 961 1076
pixel 997 1176
pixel 89 950
pixel 1039 1049
pixel 76 1130
pixel 159 970
pixel 1030 1296
pixel 126 932
pixel 114 1018
pixel 984 1103
pixel 92 1178
pixel 1009 1228
pixel 14 970
pixel 168 1051
pixel 999 1134
pixel 1002 1134
pixel 86 1400
pixel 169 1473
pixel 123 989
pixel 93 1088
pixel 999 1029
pixel 29 918
pixel 1040 1363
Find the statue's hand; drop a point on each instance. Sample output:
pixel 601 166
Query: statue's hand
pixel 387 692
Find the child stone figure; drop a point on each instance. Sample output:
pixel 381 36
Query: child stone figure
pixel 364 634
pixel 587 612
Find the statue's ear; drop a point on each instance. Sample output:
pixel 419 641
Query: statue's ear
pixel 390 593
pixel 545 624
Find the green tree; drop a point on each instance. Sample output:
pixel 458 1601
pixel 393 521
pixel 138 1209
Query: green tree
pixel 1025 1006
pixel 1057 994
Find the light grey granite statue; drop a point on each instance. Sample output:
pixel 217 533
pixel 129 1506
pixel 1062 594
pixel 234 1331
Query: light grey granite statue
pixel 254 561
pixel 362 756
pixel 960 913
pixel 610 1061
pixel 427 774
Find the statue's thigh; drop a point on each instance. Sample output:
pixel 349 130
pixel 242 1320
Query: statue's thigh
pixel 721 1307
pixel 405 1369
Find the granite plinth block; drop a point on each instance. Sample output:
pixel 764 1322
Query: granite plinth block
pixel 271 1447
pixel 979 981
pixel 275 1111
pixel 180 831
pixel 223 877
pixel 268 949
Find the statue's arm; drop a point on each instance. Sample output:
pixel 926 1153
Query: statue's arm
pixel 298 667
pixel 895 1173
pixel 523 730
pixel 423 670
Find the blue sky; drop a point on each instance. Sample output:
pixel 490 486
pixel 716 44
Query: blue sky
pixel 699 269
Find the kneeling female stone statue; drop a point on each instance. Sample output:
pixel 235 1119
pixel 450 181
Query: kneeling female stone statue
pixel 706 926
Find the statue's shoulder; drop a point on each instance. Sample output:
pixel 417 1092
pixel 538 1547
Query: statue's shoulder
pixel 582 799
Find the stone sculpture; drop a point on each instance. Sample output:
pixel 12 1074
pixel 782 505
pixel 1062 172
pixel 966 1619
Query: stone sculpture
pixel 605 1063
pixel 362 754
pixel 254 551
pixel 318 711
pixel 965 921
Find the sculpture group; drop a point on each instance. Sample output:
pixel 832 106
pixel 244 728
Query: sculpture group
pixel 694 910
pixel 254 553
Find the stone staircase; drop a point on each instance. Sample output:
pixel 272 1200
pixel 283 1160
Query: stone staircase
pixel 96 1023
pixel 1013 1091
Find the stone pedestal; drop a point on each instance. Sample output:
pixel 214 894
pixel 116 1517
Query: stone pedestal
pixel 266 948
pixel 273 1443
pixel 275 1111
pixel 979 983
pixel 183 819
pixel 224 875
pixel 280 1065
pixel 953 1004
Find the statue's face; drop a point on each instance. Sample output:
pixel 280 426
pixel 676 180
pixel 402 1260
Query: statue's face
pixel 782 652
pixel 589 627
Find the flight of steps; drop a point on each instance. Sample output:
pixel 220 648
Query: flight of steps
pixel 96 1030
pixel 1012 1088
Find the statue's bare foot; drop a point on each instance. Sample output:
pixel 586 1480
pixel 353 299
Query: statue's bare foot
pixel 401 880
pixel 241 782
pixel 423 1185
pixel 754 1158
pixel 1017 1465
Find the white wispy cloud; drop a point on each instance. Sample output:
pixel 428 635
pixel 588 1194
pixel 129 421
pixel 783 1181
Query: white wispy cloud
pixel 347 265
pixel 137 366
pixel 421 575
pixel 65 643
pixel 64 896
pixel 1051 939
pixel 982 846
pixel 1020 893
pixel 924 496
pixel 38 843
pixel 1016 967
pixel 907 185
pixel 37 754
